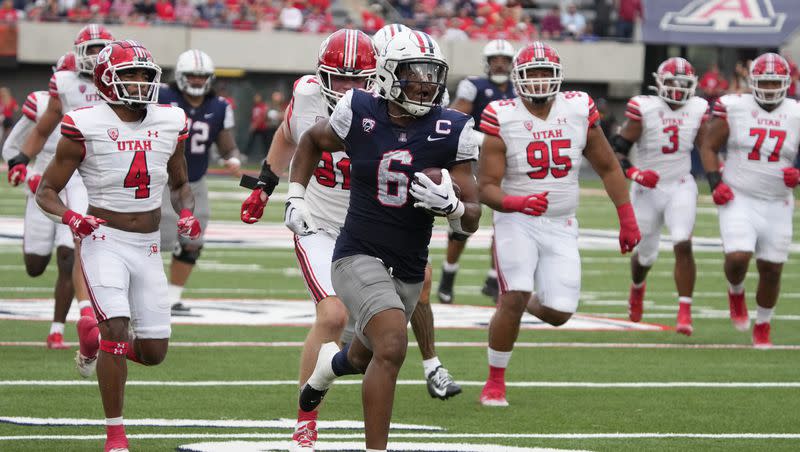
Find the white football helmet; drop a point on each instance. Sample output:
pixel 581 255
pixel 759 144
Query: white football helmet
pixel 385 34
pixel 194 62
pixel 498 47
pixel 412 59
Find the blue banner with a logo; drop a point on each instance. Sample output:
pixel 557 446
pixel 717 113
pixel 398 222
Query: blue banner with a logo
pixel 732 23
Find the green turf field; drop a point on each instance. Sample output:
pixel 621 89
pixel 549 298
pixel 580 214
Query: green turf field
pixel 585 390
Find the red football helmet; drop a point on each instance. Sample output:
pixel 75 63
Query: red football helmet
pixel 346 54
pixel 90 36
pixel 770 68
pixel 675 80
pixel 66 62
pixel 537 56
pixel 121 56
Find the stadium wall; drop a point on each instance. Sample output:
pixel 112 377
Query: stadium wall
pixel 285 52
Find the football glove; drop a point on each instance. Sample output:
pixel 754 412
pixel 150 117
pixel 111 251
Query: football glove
pixel 80 225
pixel 534 205
pixel 188 225
pixel 439 199
pixel 629 235
pixel 297 217
pixel 722 194
pixel 645 178
pixel 18 169
pixel 33 182
pixel 791 177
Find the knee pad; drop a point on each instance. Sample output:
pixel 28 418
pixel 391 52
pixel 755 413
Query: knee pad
pixel 114 347
pixel 189 256
pixel 458 237
pixel 647 261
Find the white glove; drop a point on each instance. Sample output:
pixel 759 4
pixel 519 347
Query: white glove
pixel 439 199
pixel 297 217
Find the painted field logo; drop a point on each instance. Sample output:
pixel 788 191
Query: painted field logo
pixel 733 16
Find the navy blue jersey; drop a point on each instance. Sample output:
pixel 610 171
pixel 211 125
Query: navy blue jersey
pixel 381 218
pixel 481 91
pixel 205 122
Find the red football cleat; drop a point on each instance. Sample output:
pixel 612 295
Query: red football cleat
pixel 761 336
pixel 635 302
pixel 684 325
pixel 738 309
pixel 55 341
pixel 116 440
pixel 304 437
pixel 494 394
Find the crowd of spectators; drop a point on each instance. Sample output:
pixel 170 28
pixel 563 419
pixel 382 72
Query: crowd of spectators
pixel 583 20
pixel 310 16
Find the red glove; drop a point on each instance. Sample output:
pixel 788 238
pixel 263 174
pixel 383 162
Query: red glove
pixel 646 178
pixel 629 235
pixel 80 225
pixel 188 225
pixel 253 206
pixel 534 205
pixel 17 173
pixel 791 177
pixel 33 182
pixel 722 194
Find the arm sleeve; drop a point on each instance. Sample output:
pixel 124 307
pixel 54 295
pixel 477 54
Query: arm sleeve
pixel 70 130
pixel 17 136
pixel 632 111
pixel 467 143
pixel 228 122
pixel 489 123
pixel 342 116
pixel 594 115
pixel 53 87
pixel 466 90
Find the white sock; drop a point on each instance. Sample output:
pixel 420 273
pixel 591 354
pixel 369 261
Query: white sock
pixel 84 304
pixel 323 375
pixel 498 359
pixel 637 285
pixel 491 274
pixel 430 365
pixel 763 315
pixel 687 300
pixel 114 420
pixel 450 268
pixel 736 288
pixel 174 293
pixel 57 327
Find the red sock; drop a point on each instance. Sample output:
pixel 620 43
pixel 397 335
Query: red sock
pixel 303 416
pixel 497 374
pixel 131 355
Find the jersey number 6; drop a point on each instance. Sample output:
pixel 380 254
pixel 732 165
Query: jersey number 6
pixel 393 185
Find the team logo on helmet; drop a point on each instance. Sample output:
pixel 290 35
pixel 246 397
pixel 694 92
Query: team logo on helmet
pixel 113 133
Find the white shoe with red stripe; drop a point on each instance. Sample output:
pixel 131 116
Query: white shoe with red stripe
pixel 304 437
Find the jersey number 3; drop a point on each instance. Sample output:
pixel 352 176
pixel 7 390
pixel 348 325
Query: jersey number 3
pixel 539 158
pixel 138 177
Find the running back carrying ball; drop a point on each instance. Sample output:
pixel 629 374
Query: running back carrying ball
pixel 435 175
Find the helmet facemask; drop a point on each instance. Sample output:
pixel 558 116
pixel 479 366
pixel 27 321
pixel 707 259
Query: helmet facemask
pixel 418 84
pixel 185 85
pixel 334 83
pixel 86 56
pixel 146 92
pixel 775 93
pixel 675 89
pixel 498 77
pixel 537 81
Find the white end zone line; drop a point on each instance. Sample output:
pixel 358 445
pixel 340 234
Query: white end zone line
pixel 446 344
pixel 332 436
pixel 355 382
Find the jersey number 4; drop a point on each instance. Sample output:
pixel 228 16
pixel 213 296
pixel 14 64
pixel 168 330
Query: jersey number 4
pixel 137 176
pixel 539 155
pixel 761 135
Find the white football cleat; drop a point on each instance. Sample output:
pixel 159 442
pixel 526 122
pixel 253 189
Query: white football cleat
pixel 85 365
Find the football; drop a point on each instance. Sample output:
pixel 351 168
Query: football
pixel 435 174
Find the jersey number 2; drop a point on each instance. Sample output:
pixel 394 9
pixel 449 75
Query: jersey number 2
pixel 539 158
pixel 138 177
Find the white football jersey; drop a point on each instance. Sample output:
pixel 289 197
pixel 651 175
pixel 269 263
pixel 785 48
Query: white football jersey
pixel 124 166
pixel 543 155
pixel 667 135
pixel 73 90
pixel 33 109
pixel 328 192
pixel 760 144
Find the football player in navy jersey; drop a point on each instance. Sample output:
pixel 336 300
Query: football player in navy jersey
pixel 210 121
pixel 472 96
pixel 381 252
